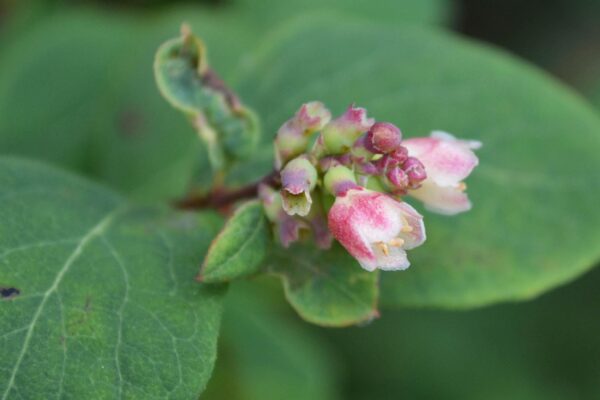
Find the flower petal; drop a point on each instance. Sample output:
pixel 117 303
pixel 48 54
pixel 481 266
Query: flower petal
pixel 394 260
pixel 448 200
pixel 447 160
pixel 416 235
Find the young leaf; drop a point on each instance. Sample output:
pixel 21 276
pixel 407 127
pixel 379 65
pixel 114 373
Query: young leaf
pixel 535 222
pixel 240 248
pixel 98 297
pixel 327 288
pixel 185 79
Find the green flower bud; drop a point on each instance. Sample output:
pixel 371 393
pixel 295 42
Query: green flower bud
pixel 340 134
pixel 338 180
pixel 294 135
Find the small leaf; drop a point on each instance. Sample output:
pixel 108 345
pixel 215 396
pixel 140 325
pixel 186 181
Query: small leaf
pixel 327 288
pixel 240 248
pixel 185 79
pixel 106 304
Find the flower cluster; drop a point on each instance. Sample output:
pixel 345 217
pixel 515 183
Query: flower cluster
pixel 345 178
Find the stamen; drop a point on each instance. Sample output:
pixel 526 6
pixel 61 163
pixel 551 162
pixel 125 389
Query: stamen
pixel 384 248
pixel 462 186
pixel 397 242
pixel 406 229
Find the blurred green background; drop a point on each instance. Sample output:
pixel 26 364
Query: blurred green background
pixel 547 348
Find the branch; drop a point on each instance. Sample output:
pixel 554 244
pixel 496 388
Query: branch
pixel 222 198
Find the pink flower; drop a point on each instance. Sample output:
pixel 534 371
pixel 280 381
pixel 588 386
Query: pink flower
pixel 376 229
pixel 448 161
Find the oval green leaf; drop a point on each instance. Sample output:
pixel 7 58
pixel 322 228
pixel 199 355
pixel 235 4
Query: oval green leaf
pixel 103 301
pixel 240 248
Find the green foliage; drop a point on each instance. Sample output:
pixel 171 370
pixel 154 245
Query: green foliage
pixel 101 114
pixel 535 222
pixel 546 349
pixel 98 297
pixel 240 248
pixel 102 303
pixel 266 355
pixel 326 287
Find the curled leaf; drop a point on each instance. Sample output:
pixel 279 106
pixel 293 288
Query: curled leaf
pixel 185 79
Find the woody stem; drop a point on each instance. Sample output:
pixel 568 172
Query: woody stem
pixel 219 198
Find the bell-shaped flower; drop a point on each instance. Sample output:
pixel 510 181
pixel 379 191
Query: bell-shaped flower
pixel 298 178
pixel 376 229
pixel 448 161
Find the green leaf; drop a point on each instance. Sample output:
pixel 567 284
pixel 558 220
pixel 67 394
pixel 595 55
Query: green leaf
pixel 104 304
pixel 271 12
pixel 185 79
pixel 535 222
pixel 265 354
pixel 240 248
pixel 101 114
pixel 327 288
pixel 539 350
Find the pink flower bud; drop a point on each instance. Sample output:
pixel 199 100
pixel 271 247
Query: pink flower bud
pixel 376 229
pixel 398 178
pixel 415 171
pixel 448 162
pixel 383 137
pixel 400 154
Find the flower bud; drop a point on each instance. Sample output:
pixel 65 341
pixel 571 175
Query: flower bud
pixel 339 180
pixel 360 150
pixel 398 179
pixel 298 178
pixel 400 154
pixel 383 138
pixel 340 134
pixel 294 135
pixel 415 170
pixel 313 116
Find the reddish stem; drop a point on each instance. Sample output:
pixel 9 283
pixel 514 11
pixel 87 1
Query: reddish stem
pixel 220 198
